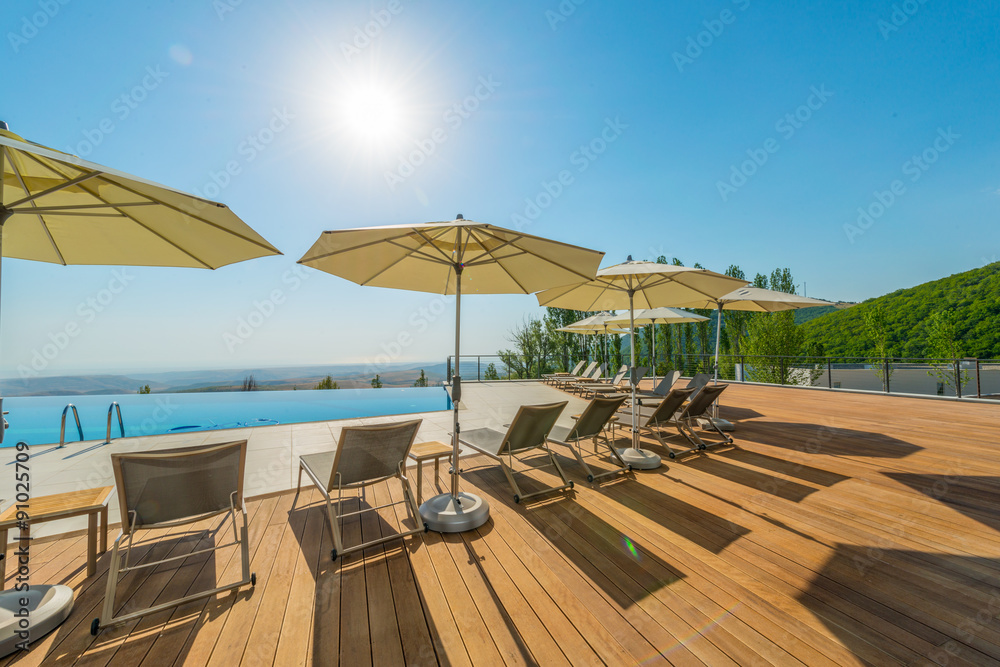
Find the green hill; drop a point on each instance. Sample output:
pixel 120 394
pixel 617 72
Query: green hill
pixel 974 296
pixel 803 315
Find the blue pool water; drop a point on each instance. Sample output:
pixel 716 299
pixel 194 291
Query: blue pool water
pixel 35 419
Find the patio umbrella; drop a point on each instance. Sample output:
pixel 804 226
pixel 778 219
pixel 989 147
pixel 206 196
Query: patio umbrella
pixel 640 285
pixel 598 324
pixel 663 315
pixel 449 258
pixel 55 207
pixel 752 299
pixel 593 332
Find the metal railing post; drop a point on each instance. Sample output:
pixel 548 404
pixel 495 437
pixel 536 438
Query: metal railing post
pixel 958 378
pixel 447 372
pixel 782 372
pixel 885 374
pixel 979 389
pixel 479 368
pixel 829 373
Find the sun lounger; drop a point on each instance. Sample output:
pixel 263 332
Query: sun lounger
pixel 600 387
pixel 176 487
pixel 589 371
pixel 529 431
pixel 365 455
pixel 591 425
pixel 695 413
pixel 576 369
pixel 595 375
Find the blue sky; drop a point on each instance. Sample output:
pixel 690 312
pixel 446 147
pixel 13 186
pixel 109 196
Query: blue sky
pixel 721 132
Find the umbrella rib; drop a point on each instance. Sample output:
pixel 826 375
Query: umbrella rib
pixel 255 242
pixel 55 188
pixel 58 209
pixel 502 267
pixel 585 277
pixel 430 242
pixel 418 252
pixel 155 200
pixel 41 218
pixel 156 233
pixel 355 247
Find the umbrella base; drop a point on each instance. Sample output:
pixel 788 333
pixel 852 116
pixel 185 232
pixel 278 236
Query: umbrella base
pixel 443 515
pixel 639 459
pixel 723 424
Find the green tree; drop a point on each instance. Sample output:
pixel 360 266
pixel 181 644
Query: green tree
pixel 877 328
pixel 773 339
pixel 377 382
pixel 327 383
pixel 491 373
pixel 249 383
pixel 145 389
pixel 420 381
pixel 533 347
pixel 945 343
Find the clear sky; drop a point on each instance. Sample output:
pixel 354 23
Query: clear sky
pixel 732 131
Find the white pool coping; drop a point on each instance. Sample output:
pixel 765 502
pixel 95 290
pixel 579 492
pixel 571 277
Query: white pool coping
pixel 272 451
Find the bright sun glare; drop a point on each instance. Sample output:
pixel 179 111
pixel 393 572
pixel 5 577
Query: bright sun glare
pixel 372 115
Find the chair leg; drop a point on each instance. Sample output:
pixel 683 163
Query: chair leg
pixel 331 517
pixel 107 611
pixel 298 488
pixel 412 505
pixel 244 543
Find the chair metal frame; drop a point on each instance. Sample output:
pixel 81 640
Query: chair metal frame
pixel 335 519
pixel 129 528
pixel 589 428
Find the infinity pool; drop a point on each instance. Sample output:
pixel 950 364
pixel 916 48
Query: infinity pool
pixel 36 419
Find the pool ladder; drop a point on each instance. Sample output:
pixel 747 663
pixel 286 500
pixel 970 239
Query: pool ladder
pixel 79 427
pixel 121 425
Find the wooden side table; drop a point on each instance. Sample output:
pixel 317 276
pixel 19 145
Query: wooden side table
pixel 92 502
pixel 424 451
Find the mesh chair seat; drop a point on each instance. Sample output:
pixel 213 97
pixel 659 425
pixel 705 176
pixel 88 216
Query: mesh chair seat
pixel 591 425
pixel 486 440
pixel 320 464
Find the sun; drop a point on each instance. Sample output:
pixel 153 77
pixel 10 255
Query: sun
pixel 372 114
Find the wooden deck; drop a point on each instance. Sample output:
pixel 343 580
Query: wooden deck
pixel 845 529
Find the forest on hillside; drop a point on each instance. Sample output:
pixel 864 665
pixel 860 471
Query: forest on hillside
pixel 970 301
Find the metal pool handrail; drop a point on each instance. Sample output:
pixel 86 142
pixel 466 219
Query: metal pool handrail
pixel 121 425
pixel 79 427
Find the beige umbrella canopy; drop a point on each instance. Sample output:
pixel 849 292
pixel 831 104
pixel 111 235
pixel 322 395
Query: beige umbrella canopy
pixel 640 285
pixel 652 316
pixel 55 207
pixel 452 257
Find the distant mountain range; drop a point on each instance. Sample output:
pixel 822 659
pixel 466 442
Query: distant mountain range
pixel 973 295
pixel 268 379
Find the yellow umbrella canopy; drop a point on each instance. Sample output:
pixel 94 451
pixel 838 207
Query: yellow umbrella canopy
pixel 450 257
pixel 57 208
pixel 427 258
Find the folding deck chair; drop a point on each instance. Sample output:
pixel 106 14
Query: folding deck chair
pixel 696 413
pixel 548 377
pixel 570 379
pixel 528 431
pixel 176 487
pixel 591 425
pixel 654 419
pixel 365 455
pixel 601 387
pixel 662 388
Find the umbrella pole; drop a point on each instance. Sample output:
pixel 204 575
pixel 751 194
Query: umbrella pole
pixel 633 455
pixel 720 423
pixel 653 360
pixel 455 512
pixel 4 214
